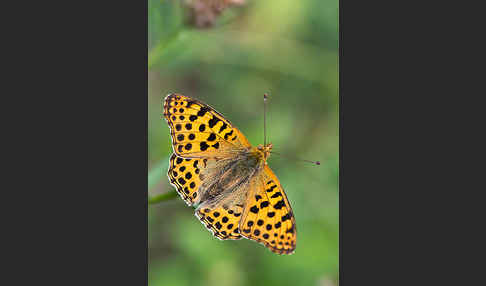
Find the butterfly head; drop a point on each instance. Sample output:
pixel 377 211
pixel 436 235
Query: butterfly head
pixel 264 151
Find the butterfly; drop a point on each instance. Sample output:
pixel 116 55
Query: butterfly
pixel 217 170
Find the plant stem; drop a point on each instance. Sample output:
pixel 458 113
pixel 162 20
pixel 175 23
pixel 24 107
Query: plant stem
pixel 163 197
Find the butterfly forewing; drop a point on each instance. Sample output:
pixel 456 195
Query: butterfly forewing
pixel 198 130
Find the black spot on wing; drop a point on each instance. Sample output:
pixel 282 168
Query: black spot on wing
pixel 218 225
pixel 204 146
pixel 277 194
pixel 223 127
pixel 228 135
pixel 190 102
pixel 213 121
pixel 279 205
pixel 202 111
pixel 271 188
pixel 286 217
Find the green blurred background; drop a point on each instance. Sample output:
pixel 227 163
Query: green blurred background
pixel 288 49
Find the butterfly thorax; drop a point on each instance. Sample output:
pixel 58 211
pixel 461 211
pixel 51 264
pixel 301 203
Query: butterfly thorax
pixel 263 152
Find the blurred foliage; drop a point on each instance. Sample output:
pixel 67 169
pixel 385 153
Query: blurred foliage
pixel 288 49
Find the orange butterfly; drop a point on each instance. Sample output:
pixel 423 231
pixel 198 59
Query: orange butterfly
pixel 215 168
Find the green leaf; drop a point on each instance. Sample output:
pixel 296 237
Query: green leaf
pixel 164 197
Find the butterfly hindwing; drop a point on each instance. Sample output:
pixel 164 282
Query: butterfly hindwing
pixel 222 219
pixel 184 176
pixel 197 130
pixel 268 216
pixel 223 223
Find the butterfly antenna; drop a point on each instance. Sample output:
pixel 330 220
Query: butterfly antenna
pixel 297 159
pixel 265 96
